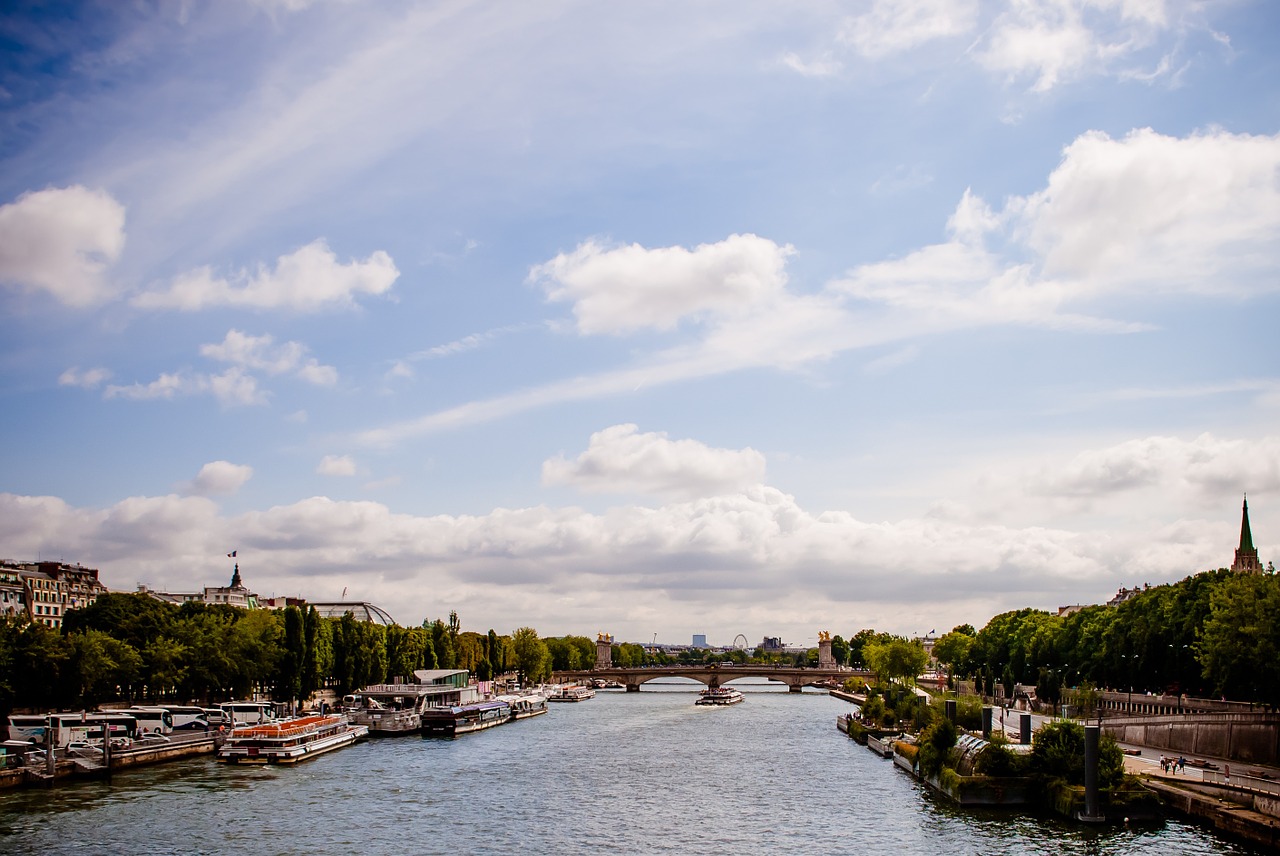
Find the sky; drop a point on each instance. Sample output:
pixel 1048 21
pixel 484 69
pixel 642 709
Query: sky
pixel 650 319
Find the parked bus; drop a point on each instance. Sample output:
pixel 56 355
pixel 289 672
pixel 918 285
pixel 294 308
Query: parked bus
pixel 86 726
pixel 216 716
pixel 187 718
pixel 248 712
pixel 28 727
pixel 151 720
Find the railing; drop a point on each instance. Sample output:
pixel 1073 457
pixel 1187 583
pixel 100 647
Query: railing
pixel 1244 783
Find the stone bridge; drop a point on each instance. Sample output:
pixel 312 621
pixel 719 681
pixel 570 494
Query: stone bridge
pixel 714 675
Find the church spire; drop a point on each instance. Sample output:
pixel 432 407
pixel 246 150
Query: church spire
pixel 1247 555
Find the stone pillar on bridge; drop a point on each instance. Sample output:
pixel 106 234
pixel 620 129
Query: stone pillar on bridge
pixel 604 651
pixel 825 658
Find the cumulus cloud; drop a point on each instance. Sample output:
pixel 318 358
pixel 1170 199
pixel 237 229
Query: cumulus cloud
pixel 621 459
pixel 262 354
pixel 336 465
pixel 62 240
pixel 751 560
pixel 1206 465
pixel 219 478
pixel 1142 215
pixel 307 280
pixel 87 379
pixel 893 26
pixel 629 288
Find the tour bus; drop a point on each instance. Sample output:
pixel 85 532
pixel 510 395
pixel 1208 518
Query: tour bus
pixel 187 717
pixel 248 712
pixel 89 727
pixel 151 719
pixel 28 727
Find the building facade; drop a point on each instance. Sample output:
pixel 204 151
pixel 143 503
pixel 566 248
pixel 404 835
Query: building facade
pixel 45 591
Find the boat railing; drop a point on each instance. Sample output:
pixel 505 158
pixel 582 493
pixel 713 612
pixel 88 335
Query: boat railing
pixel 293 728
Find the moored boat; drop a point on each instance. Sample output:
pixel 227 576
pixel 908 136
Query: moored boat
pixel 461 719
pixel 574 692
pixel 525 706
pixel 720 696
pixel 289 741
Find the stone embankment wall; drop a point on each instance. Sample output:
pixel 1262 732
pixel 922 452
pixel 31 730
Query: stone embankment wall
pixel 1247 738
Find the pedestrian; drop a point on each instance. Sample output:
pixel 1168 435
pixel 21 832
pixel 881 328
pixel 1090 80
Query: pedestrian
pixel 1182 762
pixel 1226 773
pixel 1164 765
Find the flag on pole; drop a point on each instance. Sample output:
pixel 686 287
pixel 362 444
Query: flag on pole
pixel 232 554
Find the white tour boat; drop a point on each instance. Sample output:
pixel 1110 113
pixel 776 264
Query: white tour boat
pixel 290 740
pixel 720 696
pixel 575 692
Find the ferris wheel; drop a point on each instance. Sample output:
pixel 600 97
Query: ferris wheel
pixel 740 642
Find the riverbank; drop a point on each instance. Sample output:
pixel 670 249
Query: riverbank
pixel 90 766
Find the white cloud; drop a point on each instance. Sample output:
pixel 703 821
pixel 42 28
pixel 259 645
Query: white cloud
pixel 1205 465
pixel 1199 213
pixel 219 478
pixel 1055 41
pixel 87 379
pixel 620 459
pixel 262 354
pixel 1145 215
pixel 336 465
pixel 822 66
pixel 307 280
pixel 751 560
pixel 62 240
pixel 893 26
pixel 629 288
pixel 233 387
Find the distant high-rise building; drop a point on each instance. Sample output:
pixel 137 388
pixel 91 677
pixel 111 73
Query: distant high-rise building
pixel 1246 554
pixel 700 640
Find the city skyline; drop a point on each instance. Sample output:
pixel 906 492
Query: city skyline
pixel 739 318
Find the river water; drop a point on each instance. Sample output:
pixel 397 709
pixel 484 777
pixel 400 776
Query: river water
pixel 632 773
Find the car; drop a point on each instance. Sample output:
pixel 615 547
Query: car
pixel 120 742
pixel 82 746
pixel 153 739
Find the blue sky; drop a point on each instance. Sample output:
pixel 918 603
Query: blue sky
pixel 649 318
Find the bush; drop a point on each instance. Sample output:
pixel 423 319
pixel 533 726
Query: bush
pixel 873 710
pixel 996 760
pixel 1058 753
pixel 936 743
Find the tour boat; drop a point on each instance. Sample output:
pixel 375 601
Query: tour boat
pixel 525 706
pixel 290 740
pixel 720 696
pixel 573 693
pixel 461 719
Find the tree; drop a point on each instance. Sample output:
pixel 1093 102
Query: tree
pixel 1240 646
pixel 839 650
pixel 952 650
pixel 895 658
pixel 164 663
pixel 532 659
pixel 288 679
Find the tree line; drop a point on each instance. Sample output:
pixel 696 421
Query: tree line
pixel 131 647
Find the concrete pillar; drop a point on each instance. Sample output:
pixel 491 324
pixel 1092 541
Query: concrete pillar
pixel 1091 756
pixel 633 688
pixel 950 706
pixel 987 715
pixel 1024 734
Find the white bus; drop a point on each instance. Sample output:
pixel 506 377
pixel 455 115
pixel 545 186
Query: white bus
pixel 151 719
pixel 248 712
pixel 28 727
pixel 187 717
pixel 86 726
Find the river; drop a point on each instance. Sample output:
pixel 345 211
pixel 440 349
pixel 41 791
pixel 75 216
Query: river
pixel 632 773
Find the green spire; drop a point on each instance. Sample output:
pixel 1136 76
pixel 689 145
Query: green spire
pixel 1246 536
